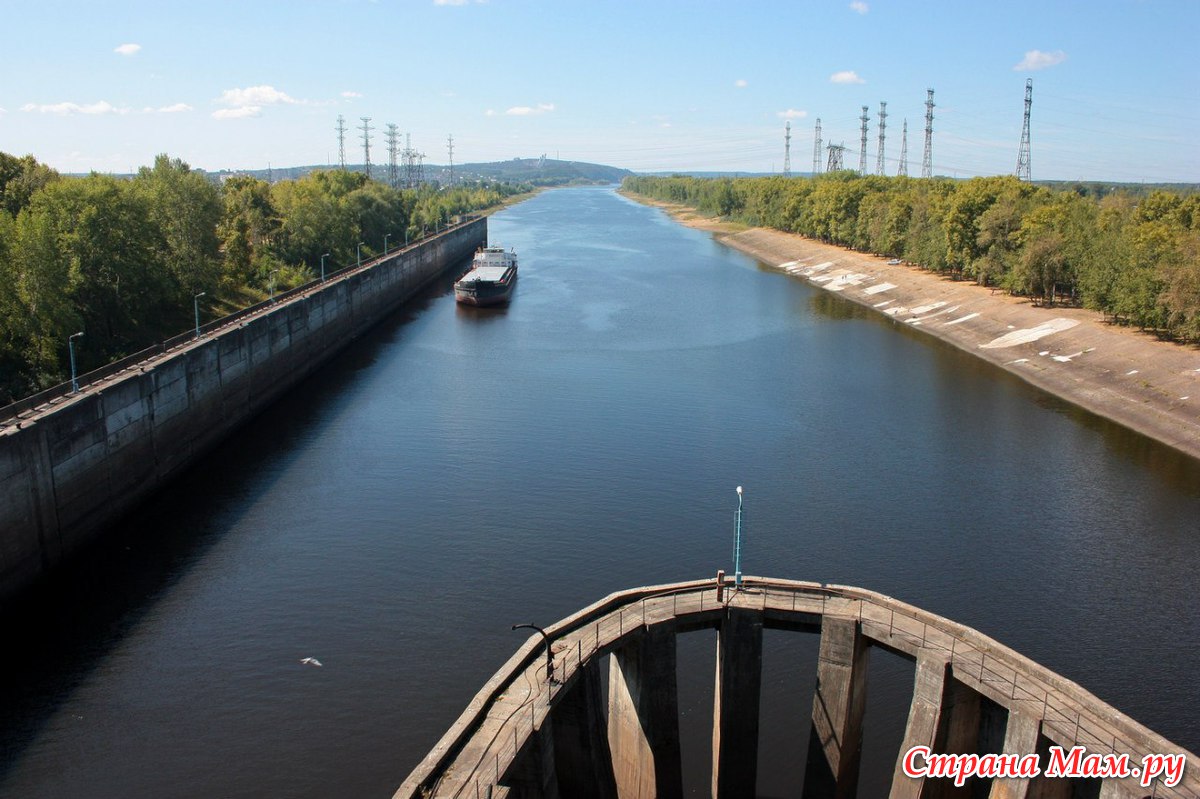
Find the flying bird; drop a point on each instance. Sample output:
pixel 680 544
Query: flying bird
pixel 311 662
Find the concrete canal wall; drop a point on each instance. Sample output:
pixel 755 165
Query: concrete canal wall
pixel 69 470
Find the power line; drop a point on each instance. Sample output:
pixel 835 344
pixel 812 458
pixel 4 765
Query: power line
pixel 927 158
pixel 835 157
pixel 817 149
pixel 341 140
pixel 862 152
pixel 393 143
pixel 366 136
pixel 787 149
pixel 882 128
pixel 1023 171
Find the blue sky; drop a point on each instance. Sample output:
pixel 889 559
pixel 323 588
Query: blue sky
pixel 645 85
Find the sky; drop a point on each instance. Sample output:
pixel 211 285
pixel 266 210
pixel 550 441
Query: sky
pixel 646 85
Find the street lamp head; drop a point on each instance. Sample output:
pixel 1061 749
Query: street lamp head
pixel 77 335
pixel 739 490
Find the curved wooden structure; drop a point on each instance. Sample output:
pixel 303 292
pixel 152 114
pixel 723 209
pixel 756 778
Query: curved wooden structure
pixel 527 735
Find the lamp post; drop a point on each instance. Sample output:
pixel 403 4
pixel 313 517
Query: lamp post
pixel 737 544
pixel 323 257
pixel 273 272
pixel 549 656
pixel 360 244
pixel 386 236
pixel 196 308
pixel 71 349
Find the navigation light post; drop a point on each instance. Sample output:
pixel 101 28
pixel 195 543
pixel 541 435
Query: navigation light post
pixel 737 544
pixel 196 308
pixel 71 348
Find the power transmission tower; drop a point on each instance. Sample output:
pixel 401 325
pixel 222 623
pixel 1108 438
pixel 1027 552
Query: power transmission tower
pixel 341 131
pixel 927 158
pixel 817 149
pixel 366 133
pixel 450 149
pixel 787 149
pixel 882 128
pixel 393 144
pixel 862 152
pixel 409 158
pixel 835 157
pixel 903 168
pixel 1023 154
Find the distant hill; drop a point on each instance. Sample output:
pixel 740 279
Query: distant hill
pixel 539 171
pixel 692 173
pixel 536 171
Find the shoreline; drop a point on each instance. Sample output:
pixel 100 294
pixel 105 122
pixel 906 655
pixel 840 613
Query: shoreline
pixel 1151 387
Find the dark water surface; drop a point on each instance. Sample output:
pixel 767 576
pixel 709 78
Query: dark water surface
pixel 462 470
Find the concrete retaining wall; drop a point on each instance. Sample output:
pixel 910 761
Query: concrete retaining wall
pixel 68 472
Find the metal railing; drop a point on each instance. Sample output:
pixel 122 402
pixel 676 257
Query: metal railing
pixel 1068 713
pixel 142 358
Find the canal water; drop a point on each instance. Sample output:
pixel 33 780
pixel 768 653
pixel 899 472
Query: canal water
pixel 461 470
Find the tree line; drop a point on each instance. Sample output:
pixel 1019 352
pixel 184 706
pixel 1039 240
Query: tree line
pixel 122 260
pixel 1133 255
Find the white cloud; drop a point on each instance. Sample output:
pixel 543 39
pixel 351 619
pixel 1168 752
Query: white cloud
pixel 351 95
pixel 237 113
pixel 127 49
pixel 792 113
pixel 1036 59
pixel 529 111
pixel 66 109
pixel 860 7
pixel 846 76
pixel 175 108
pixel 249 102
pixel 491 112
pixel 741 84
pixel 255 95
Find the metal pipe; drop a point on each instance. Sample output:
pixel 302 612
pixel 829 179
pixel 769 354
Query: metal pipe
pixel 549 656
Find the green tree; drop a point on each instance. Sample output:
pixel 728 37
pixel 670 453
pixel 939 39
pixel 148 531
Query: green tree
pixel 101 230
pixel 184 211
pixel 1181 287
pixel 20 179
pixel 249 224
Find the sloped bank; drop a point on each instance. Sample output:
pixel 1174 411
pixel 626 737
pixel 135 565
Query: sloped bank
pixel 1150 386
pixel 69 470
